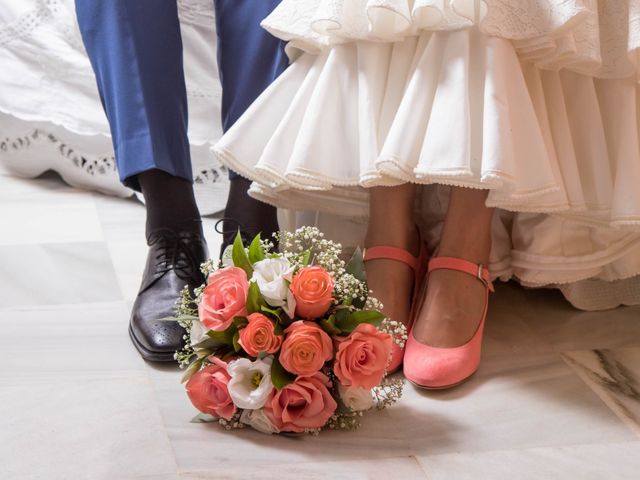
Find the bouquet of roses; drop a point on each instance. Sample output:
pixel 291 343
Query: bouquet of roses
pixel 286 341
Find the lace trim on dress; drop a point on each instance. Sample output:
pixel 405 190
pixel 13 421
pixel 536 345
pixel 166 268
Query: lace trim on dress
pixel 99 164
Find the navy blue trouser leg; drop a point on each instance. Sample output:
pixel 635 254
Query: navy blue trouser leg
pixel 135 49
pixel 249 58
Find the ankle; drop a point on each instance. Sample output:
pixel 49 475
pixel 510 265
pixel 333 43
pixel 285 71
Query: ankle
pixel 476 253
pixel 406 237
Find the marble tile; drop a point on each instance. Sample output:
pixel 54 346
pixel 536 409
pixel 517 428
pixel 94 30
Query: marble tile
pixel 122 219
pixel 128 258
pixel 611 461
pixel 45 210
pixel 520 401
pixel 615 377
pixel 553 320
pixel 369 442
pixel 375 469
pixel 56 273
pixel 67 340
pixel 92 428
pixel 506 331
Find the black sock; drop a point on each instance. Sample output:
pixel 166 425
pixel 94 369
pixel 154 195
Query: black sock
pixel 246 213
pixel 170 202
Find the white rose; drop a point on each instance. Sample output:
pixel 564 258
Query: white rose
pixel 257 420
pixel 273 276
pixel 356 398
pixel 198 333
pixel 250 383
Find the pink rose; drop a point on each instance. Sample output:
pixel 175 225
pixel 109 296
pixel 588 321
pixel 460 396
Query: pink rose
pixel 224 297
pixel 305 403
pixel 312 288
pixel 305 348
pixel 207 390
pixel 258 336
pixel 363 357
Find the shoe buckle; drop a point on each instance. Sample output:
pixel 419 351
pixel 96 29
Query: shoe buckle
pixel 481 276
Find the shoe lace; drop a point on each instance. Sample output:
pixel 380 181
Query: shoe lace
pixel 174 253
pixel 229 234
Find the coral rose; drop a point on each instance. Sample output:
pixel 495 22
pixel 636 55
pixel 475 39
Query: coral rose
pixel 305 403
pixel 312 289
pixel 305 348
pixel 208 390
pixel 224 297
pixel 362 357
pixel 258 336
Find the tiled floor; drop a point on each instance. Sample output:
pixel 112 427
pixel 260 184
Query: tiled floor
pixel 557 396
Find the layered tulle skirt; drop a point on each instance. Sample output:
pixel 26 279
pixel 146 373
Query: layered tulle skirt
pixel 537 102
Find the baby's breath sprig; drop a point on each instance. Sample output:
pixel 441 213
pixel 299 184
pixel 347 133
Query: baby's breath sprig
pixel 396 329
pixel 233 423
pixel 185 305
pixel 310 242
pixel 344 421
pixel 348 289
pixel 373 303
pixel 267 244
pixel 208 267
pixel 388 392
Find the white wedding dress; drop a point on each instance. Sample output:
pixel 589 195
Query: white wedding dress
pixel 50 112
pixel 535 100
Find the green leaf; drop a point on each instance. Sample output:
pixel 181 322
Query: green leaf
pixel 356 266
pixel 221 338
pixel 240 322
pixel 255 302
pixel 279 376
pixel 306 256
pixel 329 325
pixel 348 322
pixel 191 370
pixel 236 341
pixel 277 329
pixel 204 418
pixel 276 312
pixel 239 256
pixel 256 253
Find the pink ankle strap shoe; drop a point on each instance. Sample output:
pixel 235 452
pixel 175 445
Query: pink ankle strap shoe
pixel 437 367
pixel 418 265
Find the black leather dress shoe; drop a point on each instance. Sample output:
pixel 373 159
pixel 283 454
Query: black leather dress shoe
pixel 173 261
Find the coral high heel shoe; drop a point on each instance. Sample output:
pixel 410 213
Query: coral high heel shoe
pixel 417 264
pixel 438 367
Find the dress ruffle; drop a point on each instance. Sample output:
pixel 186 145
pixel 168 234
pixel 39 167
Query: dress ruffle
pixel 593 37
pixel 453 108
pixel 558 150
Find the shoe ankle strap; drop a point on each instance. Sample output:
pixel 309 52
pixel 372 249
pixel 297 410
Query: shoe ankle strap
pixel 451 263
pixel 391 253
